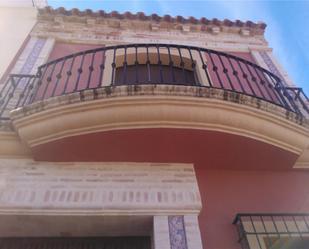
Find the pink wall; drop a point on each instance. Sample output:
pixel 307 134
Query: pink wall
pixel 228 192
pixel 70 83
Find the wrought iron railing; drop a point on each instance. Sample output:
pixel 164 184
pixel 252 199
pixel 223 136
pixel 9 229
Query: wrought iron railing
pixel 149 64
pixel 273 231
pixel 17 91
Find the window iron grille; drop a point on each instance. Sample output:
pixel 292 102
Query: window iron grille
pixel 273 231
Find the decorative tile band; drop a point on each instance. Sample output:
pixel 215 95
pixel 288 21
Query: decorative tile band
pixel 28 65
pixel 33 56
pixel 271 66
pixel 177 232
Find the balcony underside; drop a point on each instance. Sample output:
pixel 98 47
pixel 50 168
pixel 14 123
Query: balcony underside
pixel 210 149
pixel 162 124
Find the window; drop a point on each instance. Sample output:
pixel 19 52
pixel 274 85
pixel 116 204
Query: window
pixel 273 231
pixel 154 74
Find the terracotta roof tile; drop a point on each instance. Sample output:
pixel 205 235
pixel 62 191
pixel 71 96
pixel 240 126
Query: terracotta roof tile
pixel 153 17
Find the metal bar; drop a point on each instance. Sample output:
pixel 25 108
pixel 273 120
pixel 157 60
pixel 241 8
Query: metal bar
pixel 306 223
pixel 91 69
pixel 272 214
pixel 28 94
pixel 306 97
pixel 148 65
pixel 136 65
pixel 225 71
pixel 171 64
pixel 299 98
pixel 254 229
pixel 48 80
pixel 205 68
pixel 39 84
pixel 10 95
pixel 277 88
pixel 245 76
pixel 2 92
pixel 22 95
pixel 160 64
pixel 193 65
pixel 290 99
pixel 182 64
pixel 255 81
pixel 124 73
pixel 297 228
pixel 282 233
pixel 69 74
pixel 267 234
pixel 102 67
pixel 286 226
pixel 235 73
pixel 297 94
pixel 58 76
pixel 215 69
pixel 274 91
pixel 113 67
pixel 79 72
pixel 263 84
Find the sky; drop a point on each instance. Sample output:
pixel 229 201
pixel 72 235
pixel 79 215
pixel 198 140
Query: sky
pixel 287 22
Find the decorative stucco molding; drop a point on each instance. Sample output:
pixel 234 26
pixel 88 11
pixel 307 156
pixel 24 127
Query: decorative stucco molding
pixel 106 188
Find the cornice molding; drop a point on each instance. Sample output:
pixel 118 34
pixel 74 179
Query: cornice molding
pixel 153 22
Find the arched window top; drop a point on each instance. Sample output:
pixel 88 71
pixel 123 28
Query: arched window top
pixel 154 74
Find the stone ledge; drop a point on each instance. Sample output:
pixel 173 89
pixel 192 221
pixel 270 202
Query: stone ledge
pixel 160 106
pixel 158 90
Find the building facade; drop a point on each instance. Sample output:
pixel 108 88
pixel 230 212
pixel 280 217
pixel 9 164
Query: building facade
pixel 136 131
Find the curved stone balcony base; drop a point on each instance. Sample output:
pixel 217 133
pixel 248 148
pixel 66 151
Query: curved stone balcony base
pixel 53 122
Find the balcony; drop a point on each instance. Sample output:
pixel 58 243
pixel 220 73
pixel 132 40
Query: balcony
pixel 270 231
pixel 140 88
pixel 142 64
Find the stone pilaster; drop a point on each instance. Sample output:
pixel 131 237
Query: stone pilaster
pixel 193 233
pixel 161 237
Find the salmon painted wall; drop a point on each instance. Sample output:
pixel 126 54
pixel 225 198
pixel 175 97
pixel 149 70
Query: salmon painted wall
pixel 228 192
